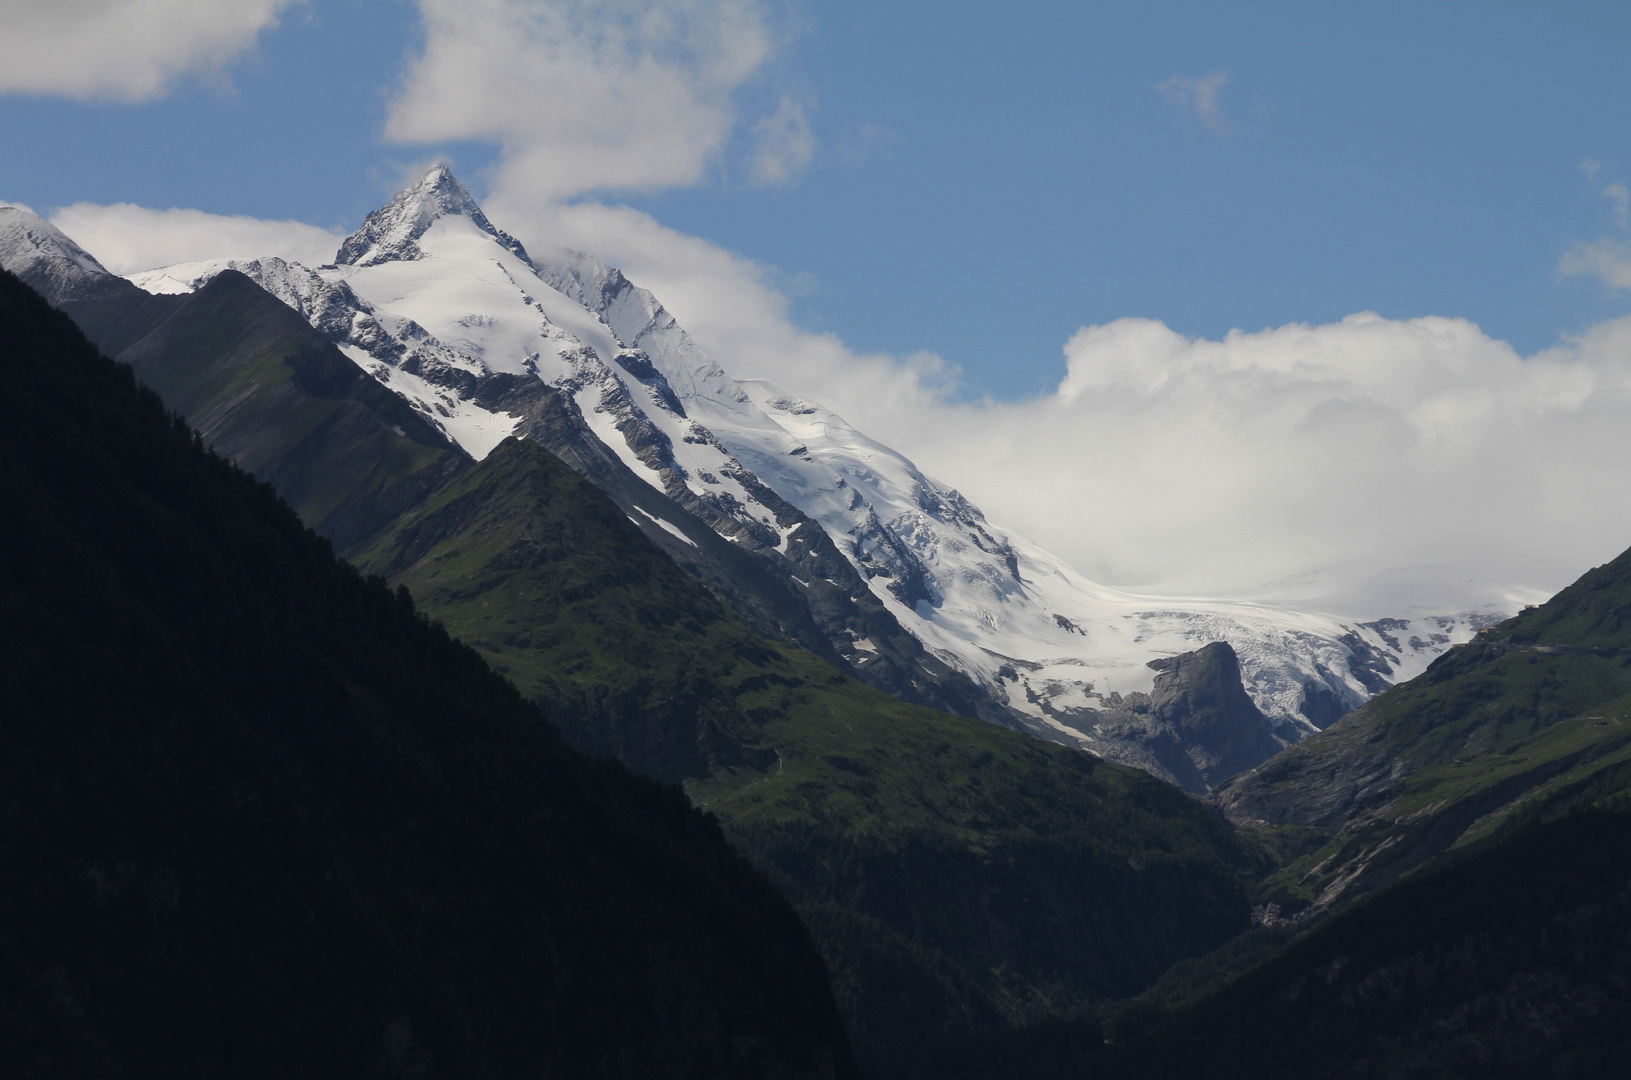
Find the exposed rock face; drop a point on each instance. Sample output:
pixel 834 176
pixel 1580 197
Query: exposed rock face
pixel 1201 696
pixel 393 232
pixel 1333 778
pixel 1196 727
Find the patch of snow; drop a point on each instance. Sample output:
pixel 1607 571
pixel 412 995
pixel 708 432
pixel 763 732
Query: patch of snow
pixel 671 529
pixel 475 429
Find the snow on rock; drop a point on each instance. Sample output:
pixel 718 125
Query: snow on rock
pixel 391 233
pixel 41 254
pixel 437 303
pixel 667 527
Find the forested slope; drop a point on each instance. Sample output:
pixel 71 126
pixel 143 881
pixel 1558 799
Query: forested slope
pixel 261 819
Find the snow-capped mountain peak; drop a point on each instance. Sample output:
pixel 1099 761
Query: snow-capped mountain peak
pixel 27 241
pixel 392 233
pixel 452 314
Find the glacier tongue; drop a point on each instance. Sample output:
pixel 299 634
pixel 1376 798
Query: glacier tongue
pixel 448 311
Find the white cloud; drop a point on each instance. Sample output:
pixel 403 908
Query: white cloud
pixel 124 50
pixel 784 145
pixel 1619 197
pixel 1199 98
pixel 1607 259
pixel 127 238
pixel 583 95
pixel 1360 466
pixel 20 206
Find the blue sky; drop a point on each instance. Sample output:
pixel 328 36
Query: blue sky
pixel 987 180
pixel 1097 267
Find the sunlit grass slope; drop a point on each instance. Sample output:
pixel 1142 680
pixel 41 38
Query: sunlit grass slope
pixel 1532 716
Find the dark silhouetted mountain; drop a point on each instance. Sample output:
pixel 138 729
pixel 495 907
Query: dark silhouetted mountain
pixel 1509 964
pixel 261 819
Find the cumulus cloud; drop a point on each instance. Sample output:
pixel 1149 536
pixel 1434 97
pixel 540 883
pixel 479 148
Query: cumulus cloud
pixel 1362 466
pixel 784 145
pixel 123 50
pixel 127 238
pixel 586 95
pixel 1199 98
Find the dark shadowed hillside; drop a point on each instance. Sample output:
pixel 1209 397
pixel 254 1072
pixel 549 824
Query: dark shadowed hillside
pixel 1515 963
pixel 263 820
pixel 1512 963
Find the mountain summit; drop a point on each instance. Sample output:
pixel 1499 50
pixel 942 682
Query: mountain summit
pixel 44 257
pixel 392 233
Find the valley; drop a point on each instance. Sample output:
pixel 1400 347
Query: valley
pixel 1008 814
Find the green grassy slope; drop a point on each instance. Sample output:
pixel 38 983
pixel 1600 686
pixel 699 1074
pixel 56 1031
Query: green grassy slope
pixel 260 819
pixel 960 877
pixel 957 876
pixel 1532 715
pixel 526 562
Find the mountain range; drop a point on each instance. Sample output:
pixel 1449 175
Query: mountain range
pixel 815 533
pixel 866 811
